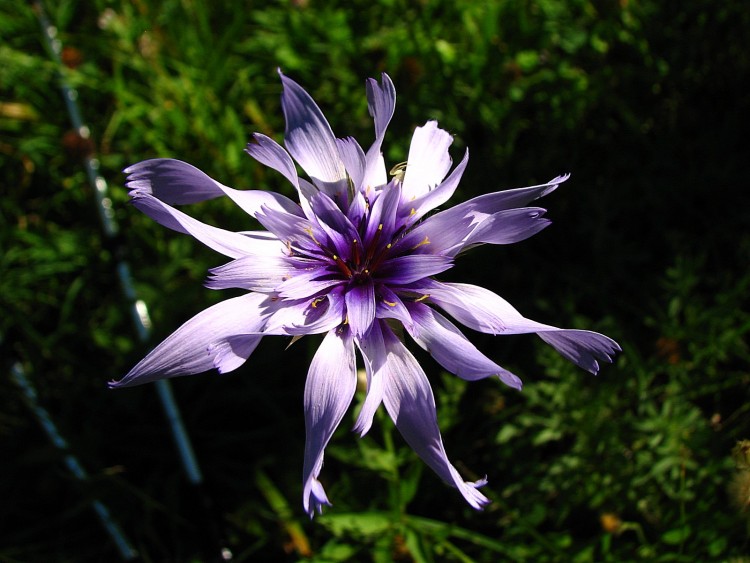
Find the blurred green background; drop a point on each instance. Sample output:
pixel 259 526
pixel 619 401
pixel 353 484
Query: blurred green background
pixel 644 102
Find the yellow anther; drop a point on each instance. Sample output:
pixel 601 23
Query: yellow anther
pixel 390 304
pixel 425 241
pixel 412 212
pixel 309 232
pixel 399 171
pixel 426 296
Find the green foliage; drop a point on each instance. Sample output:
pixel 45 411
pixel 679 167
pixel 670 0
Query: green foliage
pixel 642 101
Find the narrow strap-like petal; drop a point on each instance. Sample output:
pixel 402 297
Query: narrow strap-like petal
pixel 381 102
pixel 205 341
pixel 253 273
pixel 410 403
pixel 360 306
pixel 176 182
pixel 582 347
pixel 451 349
pixel 308 136
pixel 353 158
pixel 428 161
pixel 428 201
pixel 267 151
pixel 485 311
pixel 410 268
pixel 507 227
pixel 373 352
pixel 329 390
pixel 489 204
pixel 228 243
pixel 307 316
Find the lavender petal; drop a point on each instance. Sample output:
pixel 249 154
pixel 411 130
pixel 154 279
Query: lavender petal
pixel 329 390
pixel 410 403
pixel 308 136
pixel 428 161
pixel 201 343
pixel 228 243
pixel 451 349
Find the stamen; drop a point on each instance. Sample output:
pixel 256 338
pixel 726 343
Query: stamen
pixel 399 171
pixel 425 241
pixel 342 266
pixel 309 232
pixel 355 251
pixel 317 301
pixel 412 212
pixel 389 303
pixel 425 296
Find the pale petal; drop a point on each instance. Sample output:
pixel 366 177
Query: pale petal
pixel 489 204
pixel 267 151
pixel 451 235
pixel 253 273
pixel 428 201
pixel 203 342
pixel 307 283
pixel 354 160
pixel 428 161
pixel 228 243
pixel 381 102
pixel 582 347
pixel 329 390
pixel 373 351
pixel 307 316
pixel 410 403
pixel 485 311
pixel 176 182
pixel 390 306
pixel 308 136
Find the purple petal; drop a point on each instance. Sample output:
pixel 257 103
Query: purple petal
pixel 449 234
pixel 307 283
pixel 329 390
pixel 308 135
pixel 409 401
pixel 335 224
pixel 390 306
pixel 505 227
pixel 582 347
pixel 307 316
pixel 451 349
pixel 354 160
pixel 176 182
pixel 373 351
pixel 360 306
pixel 383 215
pixel 172 181
pixel 253 273
pixel 222 337
pixel 485 311
pixel 489 204
pixel 267 151
pixel 428 161
pixel 428 201
pixel 381 102
pixel 408 269
pixel 294 230
pixel 228 243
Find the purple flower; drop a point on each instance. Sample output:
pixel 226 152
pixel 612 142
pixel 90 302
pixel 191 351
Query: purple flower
pixel 357 255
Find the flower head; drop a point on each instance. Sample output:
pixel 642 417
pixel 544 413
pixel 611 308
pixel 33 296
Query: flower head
pixel 355 255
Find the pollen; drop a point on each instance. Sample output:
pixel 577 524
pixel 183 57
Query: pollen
pixel 425 296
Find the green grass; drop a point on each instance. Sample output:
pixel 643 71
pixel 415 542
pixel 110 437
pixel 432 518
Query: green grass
pixel 643 102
